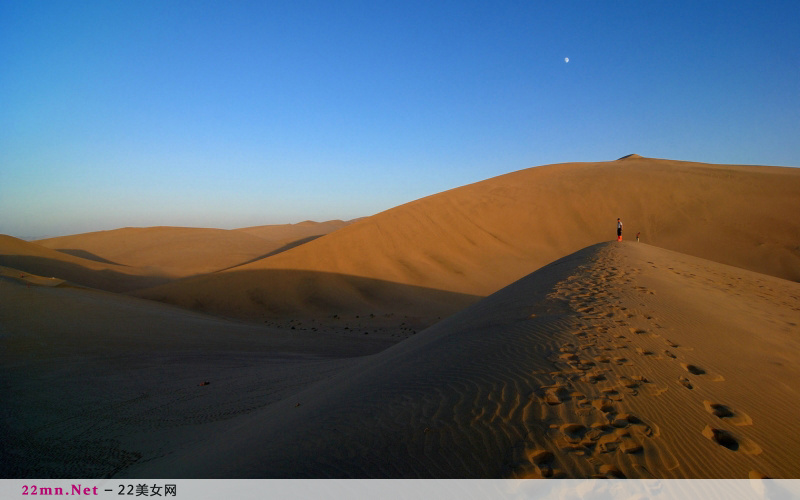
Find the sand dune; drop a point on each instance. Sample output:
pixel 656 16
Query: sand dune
pixel 294 232
pixel 186 251
pixel 94 381
pixel 127 259
pixel 473 240
pixel 35 259
pixel 622 360
pixel 30 279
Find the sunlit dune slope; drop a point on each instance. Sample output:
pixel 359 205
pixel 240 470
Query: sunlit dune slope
pixel 478 238
pixel 621 360
pixel 294 232
pixel 186 251
pixel 35 259
pixel 176 251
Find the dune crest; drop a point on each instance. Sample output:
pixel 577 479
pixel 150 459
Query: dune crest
pixel 475 239
pixel 293 232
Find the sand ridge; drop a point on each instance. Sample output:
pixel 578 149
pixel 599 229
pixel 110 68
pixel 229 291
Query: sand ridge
pixel 295 232
pixel 473 240
pixel 601 364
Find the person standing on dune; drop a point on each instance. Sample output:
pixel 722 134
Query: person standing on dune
pixel 619 229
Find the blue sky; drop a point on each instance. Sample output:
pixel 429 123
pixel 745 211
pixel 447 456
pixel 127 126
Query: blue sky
pixel 229 114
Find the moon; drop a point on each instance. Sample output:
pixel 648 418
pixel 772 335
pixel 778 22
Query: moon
pixel 566 59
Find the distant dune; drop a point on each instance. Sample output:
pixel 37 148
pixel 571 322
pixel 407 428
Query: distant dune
pixel 295 232
pixel 186 251
pixel 473 240
pixel 621 360
pixel 33 258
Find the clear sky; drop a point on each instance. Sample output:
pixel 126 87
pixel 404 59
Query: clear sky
pixel 230 114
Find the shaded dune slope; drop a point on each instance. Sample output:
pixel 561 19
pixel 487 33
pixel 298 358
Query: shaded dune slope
pixel 478 238
pixel 36 259
pixel 94 381
pixel 619 360
pixel 286 293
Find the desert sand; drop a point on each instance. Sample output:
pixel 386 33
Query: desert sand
pixel 94 381
pixel 621 360
pixel 35 259
pixel 186 251
pixel 473 240
pixel 290 233
pixel 490 331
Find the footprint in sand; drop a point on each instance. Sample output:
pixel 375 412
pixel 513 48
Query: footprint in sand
pixel 632 422
pixel 693 369
pixel 534 463
pixel 686 383
pixel 593 377
pixel 718 410
pixel 727 413
pixel 612 393
pixel 607 471
pixel 573 433
pixel 555 395
pixel 580 399
pixel 727 440
pixel 721 437
pixel 605 405
pixel 542 460
pixel 630 383
pixel 624 433
pixel 630 446
pixel 568 356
